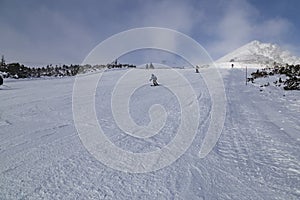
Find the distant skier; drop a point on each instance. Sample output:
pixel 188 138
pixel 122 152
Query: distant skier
pixel 1 79
pixel 154 80
pixel 197 69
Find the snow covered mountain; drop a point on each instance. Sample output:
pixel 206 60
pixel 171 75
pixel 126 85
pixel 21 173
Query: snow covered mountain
pixel 258 52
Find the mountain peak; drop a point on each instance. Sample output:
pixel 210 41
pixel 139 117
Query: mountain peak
pixel 255 42
pixel 258 52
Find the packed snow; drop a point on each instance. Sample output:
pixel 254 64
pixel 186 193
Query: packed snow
pixel 256 157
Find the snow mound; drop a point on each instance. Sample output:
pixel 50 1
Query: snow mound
pixel 258 52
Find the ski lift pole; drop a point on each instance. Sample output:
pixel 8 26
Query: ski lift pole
pixel 246 75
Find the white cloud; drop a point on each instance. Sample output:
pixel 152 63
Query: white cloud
pixel 177 15
pixel 241 23
pixel 181 16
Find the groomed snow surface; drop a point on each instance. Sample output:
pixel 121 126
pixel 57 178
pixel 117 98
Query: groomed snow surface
pixel 256 157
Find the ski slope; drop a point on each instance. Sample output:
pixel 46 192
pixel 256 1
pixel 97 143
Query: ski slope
pixel 256 157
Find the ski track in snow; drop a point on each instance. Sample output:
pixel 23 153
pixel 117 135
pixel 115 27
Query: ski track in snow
pixel 42 157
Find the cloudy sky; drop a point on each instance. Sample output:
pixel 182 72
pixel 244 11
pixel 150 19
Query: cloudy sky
pixel 52 31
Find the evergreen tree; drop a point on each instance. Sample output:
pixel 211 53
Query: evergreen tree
pixel 2 61
pixel 151 66
pixel 1 80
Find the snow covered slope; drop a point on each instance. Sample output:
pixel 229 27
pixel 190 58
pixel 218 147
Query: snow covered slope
pixel 42 156
pixel 261 53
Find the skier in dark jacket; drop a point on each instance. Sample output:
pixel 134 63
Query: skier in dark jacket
pixel 154 79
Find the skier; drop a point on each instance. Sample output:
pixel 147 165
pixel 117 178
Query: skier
pixel 197 69
pixel 1 79
pixel 154 79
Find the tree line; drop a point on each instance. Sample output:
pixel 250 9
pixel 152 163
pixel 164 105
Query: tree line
pixel 17 70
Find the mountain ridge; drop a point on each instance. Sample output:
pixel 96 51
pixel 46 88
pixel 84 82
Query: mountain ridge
pixel 258 52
